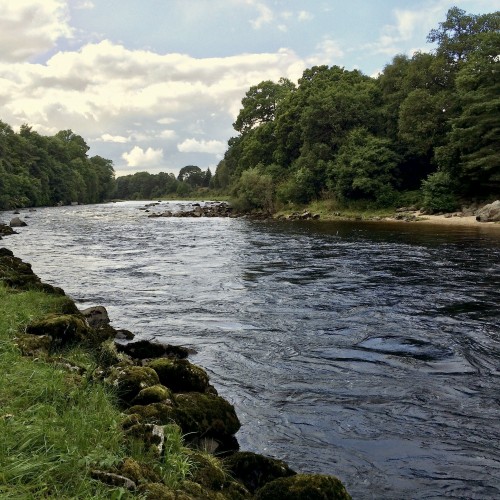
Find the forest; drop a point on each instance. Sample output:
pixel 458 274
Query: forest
pixel 425 131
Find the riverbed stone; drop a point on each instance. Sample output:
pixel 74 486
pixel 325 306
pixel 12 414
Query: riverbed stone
pixel 17 222
pixel 255 470
pixel 180 375
pixel 130 380
pixel 6 230
pixel 489 213
pixel 96 316
pixel 302 486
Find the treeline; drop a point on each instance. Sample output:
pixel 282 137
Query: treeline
pixel 427 130
pixel 37 170
pixel 146 186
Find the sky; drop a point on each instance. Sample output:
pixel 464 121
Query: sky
pixel 155 85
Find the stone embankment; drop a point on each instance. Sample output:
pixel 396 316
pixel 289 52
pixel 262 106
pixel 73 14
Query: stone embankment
pixel 158 386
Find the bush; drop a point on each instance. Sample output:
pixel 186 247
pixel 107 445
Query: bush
pixel 253 191
pixel 439 193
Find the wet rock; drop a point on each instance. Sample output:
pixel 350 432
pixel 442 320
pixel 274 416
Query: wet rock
pixel 96 316
pixel 130 380
pixel 180 375
pixel 123 334
pixel 6 230
pixel 489 213
pixel 64 329
pixel 255 470
pixel 302 486
pixel 146 349
pixel 17 222
pixel 154 394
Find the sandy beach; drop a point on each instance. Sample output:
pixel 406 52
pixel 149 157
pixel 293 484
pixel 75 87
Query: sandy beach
pixel 469 221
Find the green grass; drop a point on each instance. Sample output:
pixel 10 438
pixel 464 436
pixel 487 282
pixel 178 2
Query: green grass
pixel 56 426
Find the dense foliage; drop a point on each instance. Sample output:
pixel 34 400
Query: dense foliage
pixel 49 170
pixel 429 123
pixel 146 186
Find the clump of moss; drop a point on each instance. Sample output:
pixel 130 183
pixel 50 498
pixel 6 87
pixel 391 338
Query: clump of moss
pixel 130 380
pixel 154 394
pixel 180 375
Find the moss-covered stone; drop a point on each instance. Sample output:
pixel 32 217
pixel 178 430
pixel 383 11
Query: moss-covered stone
pixel 180 375
pixel 6 231
pixel 154 394
pixel 205 415
pixel 207 470
pixel 198 492
pixel 34 345
pixel 158 491
pixel 63 328
pixel 139 473
pixel 130 380
pixel 155 413
pixel 255 470
pixel 304 487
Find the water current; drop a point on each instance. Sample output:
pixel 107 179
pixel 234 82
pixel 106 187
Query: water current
pixel 368 351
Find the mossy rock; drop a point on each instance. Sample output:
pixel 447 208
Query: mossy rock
pixel 155 413
pixel 304 487
pixel 67 306
pixel 198 492
pixel 158 491
pixel 130 380
pixel 34 345
pixel 180 375
pixel 205 415
pixel 154 394
pixel 63 328
pixel 207 470
pixel 255 470
pixel 6 231
pixel 147 349
pixel 138 472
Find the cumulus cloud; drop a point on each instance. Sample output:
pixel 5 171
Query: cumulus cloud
pixel 138 157
pixel 265 14
pixel 114 138
pixel 195 146
pixel 30 27
pixel 328 51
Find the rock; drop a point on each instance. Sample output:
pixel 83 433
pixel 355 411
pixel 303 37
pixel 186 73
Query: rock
pixel 180 375
pixel 124 335
pixel 158 491
pixel 254 470
pixel 154 394
pixel 146 349
pixel 113 479
pixel 205 415
pixel 64 329
pixel 137 472
pixel 6 230
pixel 34 345
pixel 17 222
pixel 489 213
pixel 96 316
pixel 160 413
pixel 129 381
pixel 152 436
pixel 207 470
pixel 302 486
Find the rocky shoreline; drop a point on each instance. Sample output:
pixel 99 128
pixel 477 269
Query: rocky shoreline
pixel 157 386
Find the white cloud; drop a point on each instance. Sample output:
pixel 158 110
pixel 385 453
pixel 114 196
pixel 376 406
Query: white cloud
pixel 168 134
pixel 114 138
pixel 266 15
pixel 30 27
pixel 304 15
pixel 328 51
pixel 84 4
pixel 195 146
pixel 139 157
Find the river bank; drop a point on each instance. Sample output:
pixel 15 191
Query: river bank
pixel 152 396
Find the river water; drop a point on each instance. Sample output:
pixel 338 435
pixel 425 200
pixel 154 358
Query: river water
pixel 368 351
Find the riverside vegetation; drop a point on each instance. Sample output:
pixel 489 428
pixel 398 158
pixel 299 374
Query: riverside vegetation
pixel 423 133
pixel 83 416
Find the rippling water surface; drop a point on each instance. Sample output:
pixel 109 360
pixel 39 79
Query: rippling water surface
pixel 367 351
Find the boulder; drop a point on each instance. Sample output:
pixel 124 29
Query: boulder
pixel 96 316
pixel 154 394
pixel 34 345
pixel 6 230
pixel 129 381
pixel 152 436
pixel 301 486
pixel 180 375
pixel 255 470
pixel 17 222
pixel 146 349
pixel 489 213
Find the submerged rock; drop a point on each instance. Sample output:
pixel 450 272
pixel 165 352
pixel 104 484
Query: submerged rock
pixel 146 349
pixel 304 486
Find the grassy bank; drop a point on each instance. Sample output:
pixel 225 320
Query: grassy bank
pixel 56 426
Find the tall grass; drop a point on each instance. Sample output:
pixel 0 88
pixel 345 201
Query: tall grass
pixel 55 425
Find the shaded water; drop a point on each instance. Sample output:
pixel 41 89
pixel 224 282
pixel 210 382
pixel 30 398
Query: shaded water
pixel 367 351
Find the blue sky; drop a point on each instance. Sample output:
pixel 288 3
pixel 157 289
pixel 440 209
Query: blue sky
pixel 156 84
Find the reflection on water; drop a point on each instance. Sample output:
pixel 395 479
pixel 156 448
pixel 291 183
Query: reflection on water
pixel 368 351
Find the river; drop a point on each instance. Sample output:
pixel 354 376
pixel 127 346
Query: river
pixel 368 351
